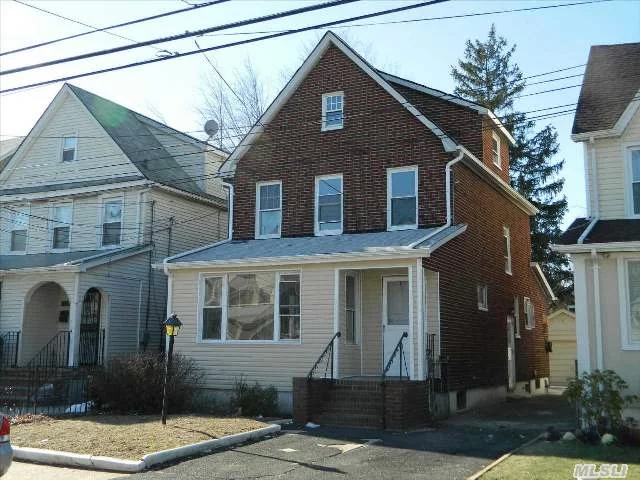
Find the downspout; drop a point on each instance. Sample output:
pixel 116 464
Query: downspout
pixel 230 209
pixel 595 196
pixel 596 308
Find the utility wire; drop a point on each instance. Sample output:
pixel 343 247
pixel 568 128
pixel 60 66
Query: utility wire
pixel 179 36
pixel 104 29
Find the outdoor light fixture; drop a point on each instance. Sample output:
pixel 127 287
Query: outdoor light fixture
pixel 171 327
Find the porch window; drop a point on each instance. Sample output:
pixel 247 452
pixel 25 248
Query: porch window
pixel 247 307
pixel 631 321
pixel 18 225
pixel 61 226
pixel 269 209
pixel 329 205
pixel 529 314
pixel 69 148
pixel 516 314
pixel 402 198
pixel 506 246
pixel 332 111
pixel 495 150
pixel 635 180
pixel 483 300
pixel 351 324
pixel 111 222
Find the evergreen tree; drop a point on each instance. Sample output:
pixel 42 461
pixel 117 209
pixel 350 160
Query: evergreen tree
pixel 487 75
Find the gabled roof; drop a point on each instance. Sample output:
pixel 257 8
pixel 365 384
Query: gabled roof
pixel 610 91
pixel 329 39
pixel 449 98
pixel 330 248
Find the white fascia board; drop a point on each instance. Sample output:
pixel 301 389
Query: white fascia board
pixel 392 254
pixel 451 98
pixel 314 57
pixel 34 270
pixel 600 247
pixel 543 278
pixel 618 128
pixel 503 186
pixel 19 197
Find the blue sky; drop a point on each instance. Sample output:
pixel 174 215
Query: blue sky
pixel 423 51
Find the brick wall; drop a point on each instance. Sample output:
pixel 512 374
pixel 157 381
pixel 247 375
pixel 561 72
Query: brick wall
pixel 475 340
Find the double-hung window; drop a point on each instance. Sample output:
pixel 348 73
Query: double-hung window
pixel 635 180
pixel 111 222
pixel 529 314
pixel 483 297
pixel 69 148
pixel 516 314
pixel 246 307
pixel 402 198
pixel 18 226
pixel 495 150
pixel 630 299
pixel 506 246
pixel 61 219
pixel 268 209
pixel 332 111
pixel 329 205
pixel 350 308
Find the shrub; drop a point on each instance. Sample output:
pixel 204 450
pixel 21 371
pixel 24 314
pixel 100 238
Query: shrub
pixel 134 384
pixel 599 396
pixel 253 401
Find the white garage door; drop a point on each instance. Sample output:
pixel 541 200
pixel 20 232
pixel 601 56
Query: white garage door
pixel 562 362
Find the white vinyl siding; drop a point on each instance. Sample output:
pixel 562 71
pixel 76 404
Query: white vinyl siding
pixel 332 111
pixel 329 205
pixel 402 198
pixel 268 209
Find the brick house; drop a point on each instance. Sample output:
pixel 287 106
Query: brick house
pixel 373 223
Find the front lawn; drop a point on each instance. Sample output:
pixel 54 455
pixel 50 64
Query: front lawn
pixel 124 436
pixel 555 461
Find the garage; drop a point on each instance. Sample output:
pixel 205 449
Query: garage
pixel 562 334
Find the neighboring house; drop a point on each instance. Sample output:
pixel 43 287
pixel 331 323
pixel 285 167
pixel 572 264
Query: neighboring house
pixel 562 335
pixel 91 197
pixel 7 147
pixel 372 206
pixel 605 246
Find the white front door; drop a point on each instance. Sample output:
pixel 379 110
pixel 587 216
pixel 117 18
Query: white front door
pixel 395 322
pixel 511 354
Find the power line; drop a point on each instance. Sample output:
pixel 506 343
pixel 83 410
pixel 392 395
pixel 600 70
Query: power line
pixel 104 29
pixel 171 38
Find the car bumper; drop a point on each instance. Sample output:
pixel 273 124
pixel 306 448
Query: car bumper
pixel 6 455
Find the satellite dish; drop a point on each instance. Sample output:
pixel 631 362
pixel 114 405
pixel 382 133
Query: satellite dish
pixel 211 128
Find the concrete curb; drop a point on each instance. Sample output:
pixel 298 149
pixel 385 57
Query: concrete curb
pixel 478 474
pixel 68 459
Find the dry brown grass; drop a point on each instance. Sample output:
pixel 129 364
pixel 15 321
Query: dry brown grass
pixel 124 436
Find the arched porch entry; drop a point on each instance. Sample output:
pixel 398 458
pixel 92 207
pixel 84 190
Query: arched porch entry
pixel 46 323
pixel 91 331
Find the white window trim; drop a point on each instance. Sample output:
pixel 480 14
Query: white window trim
pixel 52 225
pixel 629 148
pixel 225 309
pixel 390 172
pixel 26 206
pixel 516 314
pixel 75 152
pixel 496 137
pixel 625 314
pixel 506 234
pixel 317 231
pixel 103 200
pixel 324 126
pixel 257 210
pixel 529 323
pixel 483 305
pixel 357 308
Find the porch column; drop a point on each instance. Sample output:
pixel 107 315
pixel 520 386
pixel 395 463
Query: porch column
pixel 421 323
pixel 582 313
pixel 412 321
pixel 75 310
pixel 336 322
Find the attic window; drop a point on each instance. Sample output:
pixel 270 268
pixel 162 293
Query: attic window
pixel 332 111
pixel 69 148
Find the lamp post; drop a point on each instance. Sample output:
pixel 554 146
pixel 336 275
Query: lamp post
pixel 172 327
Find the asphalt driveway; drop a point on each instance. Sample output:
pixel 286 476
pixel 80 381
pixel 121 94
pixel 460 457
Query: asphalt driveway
pixel 452 450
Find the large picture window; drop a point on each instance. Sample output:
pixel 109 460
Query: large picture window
pixel 402 198
pixel 631 321
pixel 245 307
pixel 329 205
pixel 268 210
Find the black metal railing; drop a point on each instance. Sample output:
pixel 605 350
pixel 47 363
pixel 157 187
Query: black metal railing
pixel 54 354
pixel 9 343
pixel 437 374
pixel 402 361
pixel 91 347
pixel 327 357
